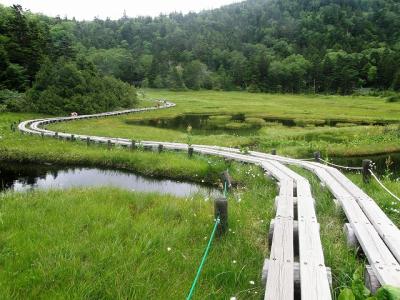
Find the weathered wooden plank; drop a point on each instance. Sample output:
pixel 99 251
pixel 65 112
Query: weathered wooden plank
pixel 314 278
pixel 280 284
pixel 388 231
pixel 314 281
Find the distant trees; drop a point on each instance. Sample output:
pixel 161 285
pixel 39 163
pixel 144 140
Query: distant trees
pixel 291 46
pixel 22 45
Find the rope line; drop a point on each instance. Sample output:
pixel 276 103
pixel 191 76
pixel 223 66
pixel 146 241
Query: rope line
pixel 203 260
pixel 306 159
pixel 339 166
pixel 384 187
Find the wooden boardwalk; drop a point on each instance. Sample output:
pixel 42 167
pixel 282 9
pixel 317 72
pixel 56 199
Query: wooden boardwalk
pixel 286 272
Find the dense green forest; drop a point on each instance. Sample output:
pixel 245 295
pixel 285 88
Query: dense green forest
pixel 323 46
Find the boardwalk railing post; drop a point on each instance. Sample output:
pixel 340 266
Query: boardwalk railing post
pixel 366 166
pixel 221 211
pixel 273 151
pixel 108 144
pixel 87 141
pixel 133 144
pixel 226 180
pixel 190 151
pixel 317 156
pixel 160 148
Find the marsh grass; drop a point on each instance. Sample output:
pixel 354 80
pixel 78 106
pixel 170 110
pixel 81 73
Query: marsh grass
pixel 107 243
pixel 311 114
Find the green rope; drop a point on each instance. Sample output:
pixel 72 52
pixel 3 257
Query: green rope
pixel 203 260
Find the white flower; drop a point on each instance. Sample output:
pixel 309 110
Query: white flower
pixel 233 298
pixel 234 261
pixel 251 282
pixel 169 249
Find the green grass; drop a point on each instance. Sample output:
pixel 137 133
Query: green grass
pixel 112 244
pixel 299 141
pixel 107 243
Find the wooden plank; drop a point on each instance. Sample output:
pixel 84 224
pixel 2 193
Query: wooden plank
pixel 313 275
pixel 314 281
pixel 379 256
pixel 388 231
pixel 280 281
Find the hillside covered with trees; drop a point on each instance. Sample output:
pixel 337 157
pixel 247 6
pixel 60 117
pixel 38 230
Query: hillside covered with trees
pixel 323 46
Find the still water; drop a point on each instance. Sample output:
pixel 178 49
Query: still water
pixel 22 177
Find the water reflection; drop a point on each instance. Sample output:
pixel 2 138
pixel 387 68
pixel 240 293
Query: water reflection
pixel 22 177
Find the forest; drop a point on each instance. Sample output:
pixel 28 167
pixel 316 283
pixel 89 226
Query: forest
pixel 55 65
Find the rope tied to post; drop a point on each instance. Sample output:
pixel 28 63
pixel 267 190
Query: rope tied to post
pixel 203 260
pixel 383 186
pixel 339 166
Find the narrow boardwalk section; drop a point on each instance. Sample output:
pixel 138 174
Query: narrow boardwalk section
pixel 296 263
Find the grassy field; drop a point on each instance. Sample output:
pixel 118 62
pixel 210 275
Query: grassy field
pixel 309 114
pixel 114 243
pixel 107 243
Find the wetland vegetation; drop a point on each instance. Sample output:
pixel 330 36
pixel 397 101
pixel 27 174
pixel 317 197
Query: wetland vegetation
pixel 255 75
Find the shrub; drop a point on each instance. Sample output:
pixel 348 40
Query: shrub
pixel 12 101
pixel 393 98
pixel 66 86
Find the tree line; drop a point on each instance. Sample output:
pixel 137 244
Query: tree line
pixel 40 70
pixel 321 46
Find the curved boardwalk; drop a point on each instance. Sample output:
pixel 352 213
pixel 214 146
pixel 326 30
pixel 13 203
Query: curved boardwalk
pixel 284 277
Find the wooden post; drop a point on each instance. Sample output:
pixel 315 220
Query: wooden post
pixel 133 144
pixel 42 134
pixel 109 144
pixel 160 148
pixel 317 156
pixel 56 135
pixel 273 151
pixel 190 151
pixel 366 166
pixel 226 179
pixel 221 211
pixel 87 141
pixel 72 137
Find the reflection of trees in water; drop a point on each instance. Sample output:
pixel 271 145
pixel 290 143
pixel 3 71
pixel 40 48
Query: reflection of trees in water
pixel 26 174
